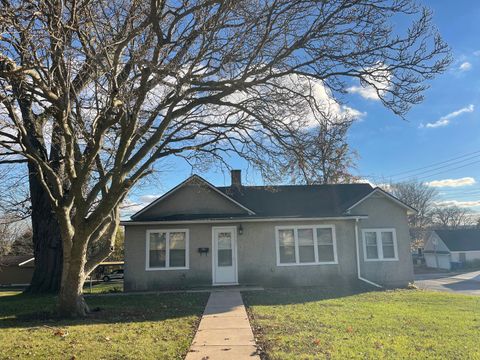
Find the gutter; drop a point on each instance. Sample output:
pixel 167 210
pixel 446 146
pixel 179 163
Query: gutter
pixel 244 220
pixel 359 276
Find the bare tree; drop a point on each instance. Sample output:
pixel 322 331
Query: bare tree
pixel 323 156
pixel 452 217
pixel 117 85
pixel 422 198
pixel 8 232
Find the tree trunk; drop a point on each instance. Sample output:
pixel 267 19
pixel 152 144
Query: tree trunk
pixel 71 303
pixel 47 242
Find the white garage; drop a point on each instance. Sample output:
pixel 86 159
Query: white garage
pixel 436 260
pixel 446 246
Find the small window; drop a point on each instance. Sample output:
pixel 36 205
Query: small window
pixel 379 244
pixel 225 250
pixel 306 245
pixel 167 249
pixel 326 251
pixel 286 242
pixel 371 244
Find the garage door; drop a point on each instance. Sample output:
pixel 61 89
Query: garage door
pixel 443 261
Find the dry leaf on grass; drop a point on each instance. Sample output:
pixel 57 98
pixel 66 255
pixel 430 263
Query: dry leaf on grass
pixel 60 332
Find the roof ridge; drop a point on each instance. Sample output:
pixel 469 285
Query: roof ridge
pixel 292 185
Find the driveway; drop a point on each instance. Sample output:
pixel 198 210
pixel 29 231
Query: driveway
pixel 466 283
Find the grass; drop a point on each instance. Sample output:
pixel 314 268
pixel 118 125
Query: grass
pixel 122 327
pixel 103 287
pixel 401 324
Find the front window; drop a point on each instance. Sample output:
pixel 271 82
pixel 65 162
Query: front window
pixel 306 245
pixel 379 244
pixel 167 249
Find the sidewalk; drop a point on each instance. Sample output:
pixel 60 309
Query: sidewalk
pixel 224 331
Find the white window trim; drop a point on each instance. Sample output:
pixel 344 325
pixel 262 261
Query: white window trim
pixel 378 231
pixel 167 257
pixel 295 229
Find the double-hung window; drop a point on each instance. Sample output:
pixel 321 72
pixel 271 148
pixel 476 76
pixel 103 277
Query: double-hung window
pixel 167 249
pixel 306 245
pixel 380 244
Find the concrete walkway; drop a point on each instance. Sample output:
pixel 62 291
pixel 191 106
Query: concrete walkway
pixel 224 331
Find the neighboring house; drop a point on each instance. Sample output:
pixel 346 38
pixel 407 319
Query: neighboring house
pixel 446 246
pixel 198 234
pixel 16 270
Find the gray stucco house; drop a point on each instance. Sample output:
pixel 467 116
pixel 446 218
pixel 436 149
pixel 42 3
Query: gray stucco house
pixel 198 234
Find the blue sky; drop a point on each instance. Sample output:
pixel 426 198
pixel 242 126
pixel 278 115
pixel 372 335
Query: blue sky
pixel 445 126
pixel 388 145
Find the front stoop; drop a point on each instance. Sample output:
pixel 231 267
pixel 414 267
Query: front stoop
pixel 224 331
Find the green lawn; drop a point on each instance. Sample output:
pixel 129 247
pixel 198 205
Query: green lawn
pixel 402 324
pixel 122 327
pixel 103 287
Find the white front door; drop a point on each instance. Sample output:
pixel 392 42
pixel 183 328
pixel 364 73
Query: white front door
pixel 224 256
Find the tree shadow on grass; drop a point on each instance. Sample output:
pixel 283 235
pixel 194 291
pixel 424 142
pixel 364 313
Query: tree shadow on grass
pixel 23 310
pixel 300 295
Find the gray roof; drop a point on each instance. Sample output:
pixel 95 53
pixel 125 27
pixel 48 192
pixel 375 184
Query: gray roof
pixel 289 201
pixel 298 200
pixel 460 239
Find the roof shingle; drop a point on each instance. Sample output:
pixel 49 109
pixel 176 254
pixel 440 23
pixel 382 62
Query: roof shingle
pixel 298 200
pixel 461 239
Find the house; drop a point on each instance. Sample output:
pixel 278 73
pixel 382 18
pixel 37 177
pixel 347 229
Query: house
pixel 16 270
pixel 446 246
pixel 198 234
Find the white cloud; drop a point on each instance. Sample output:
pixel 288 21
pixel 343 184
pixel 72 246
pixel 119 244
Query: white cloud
pixel 147 199
pixel 376 83
pixel 326 100
pixel 465 66
pixel 445 120
pixel 367 92
pixel 466 181
pixel 130 207
pixel 459 203
pixel 322 102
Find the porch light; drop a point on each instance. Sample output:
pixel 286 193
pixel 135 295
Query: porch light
pixel 240 229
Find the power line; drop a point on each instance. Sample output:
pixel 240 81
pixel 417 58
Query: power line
pixel 447 170
pixel 415 175
pixel 437 163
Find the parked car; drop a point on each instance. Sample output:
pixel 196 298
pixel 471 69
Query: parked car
pixel 114 275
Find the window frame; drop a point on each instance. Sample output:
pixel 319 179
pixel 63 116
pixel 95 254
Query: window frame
pixel 378 232
pixel 295 229
pixel 167 249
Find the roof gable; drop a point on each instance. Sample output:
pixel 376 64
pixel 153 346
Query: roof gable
pixel 460 239
pixel 387 195
pixel 194 196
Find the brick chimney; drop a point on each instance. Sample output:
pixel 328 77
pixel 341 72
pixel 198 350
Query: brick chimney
pixel 236 179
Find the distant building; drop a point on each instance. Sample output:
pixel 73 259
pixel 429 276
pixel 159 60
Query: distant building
pixel 446 246
pixel 16 269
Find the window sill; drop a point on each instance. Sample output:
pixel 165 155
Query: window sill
pixel 166 268
pixel 309 264
pixel 377 260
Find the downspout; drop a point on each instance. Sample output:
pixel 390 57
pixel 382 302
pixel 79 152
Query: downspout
pixel 358 259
